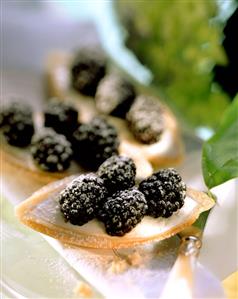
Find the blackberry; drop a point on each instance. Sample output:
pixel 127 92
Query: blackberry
pixel 51 151
pixel 145 119
pixel 114 96
pixel 62 117
pixel 164 191
pixel 16 121
pixel 118 173
pixel 95 142
pixel 80 200
pixel 11 110
pixel 123 211
pixel 88 68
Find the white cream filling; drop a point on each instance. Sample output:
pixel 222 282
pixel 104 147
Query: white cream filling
pixel 48 212
pixel 162 147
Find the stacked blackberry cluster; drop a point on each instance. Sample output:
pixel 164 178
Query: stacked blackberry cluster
pixel 116 96
pixel 94 142
pixel 89 144
pixel 51 151
pixel 112 197
pixel 113 93
pixel 52 147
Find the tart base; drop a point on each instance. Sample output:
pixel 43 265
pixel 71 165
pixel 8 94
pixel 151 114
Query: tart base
pixel 41 212
pixel 22 176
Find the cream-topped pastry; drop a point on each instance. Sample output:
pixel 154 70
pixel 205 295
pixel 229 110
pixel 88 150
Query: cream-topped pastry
pixel 43 212
pixel 49 156
pixel 165 149
pixel 150 144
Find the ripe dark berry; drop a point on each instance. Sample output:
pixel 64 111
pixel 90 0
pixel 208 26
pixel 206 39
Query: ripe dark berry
pixel 145 119
pixel 16 121
pixel 62 117
pixel 114 96
pixel 123 211
pixel 81 199
pixel 88 68
pixel 118 173
pixel 164 191
pixel 51 151
pixel 95 142
pixel 12 109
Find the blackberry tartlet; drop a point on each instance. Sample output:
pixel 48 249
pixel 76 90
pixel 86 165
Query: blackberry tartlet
pixel 95 142
pixel 114 96
pixel 150 135
pixel 81 199
pixel 17 125
pixel 123 221
pixel 61 116
pixel 123 211
pixel 51 151
pixel 118 173
pixel 164 191
pixel 88 68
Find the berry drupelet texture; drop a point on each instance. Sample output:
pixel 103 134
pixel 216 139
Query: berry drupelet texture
pixel 123 211
pixel 115 96
pixel 51 151
pixel 95 142
pixel 165 193
pixel 16 121
pixel 80 200
pixel 118 173
pixel 12 109
pixel 61 116
pixel 88 68
pixel 145 119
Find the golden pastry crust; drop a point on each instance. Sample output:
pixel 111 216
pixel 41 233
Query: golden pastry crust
pixel 15 160
pixel 57 74
pixel 41 212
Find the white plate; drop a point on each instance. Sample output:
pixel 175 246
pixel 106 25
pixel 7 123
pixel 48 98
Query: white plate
pixel 30 267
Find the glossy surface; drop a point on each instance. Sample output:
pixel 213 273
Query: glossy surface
pixel 34 270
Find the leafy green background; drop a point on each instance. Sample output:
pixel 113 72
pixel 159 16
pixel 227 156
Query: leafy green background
pixel 180 42
pixel 220 153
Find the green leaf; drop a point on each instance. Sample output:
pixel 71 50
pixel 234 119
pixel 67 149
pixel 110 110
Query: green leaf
pixel 179 41
pixel 202 220
pixel 220 153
